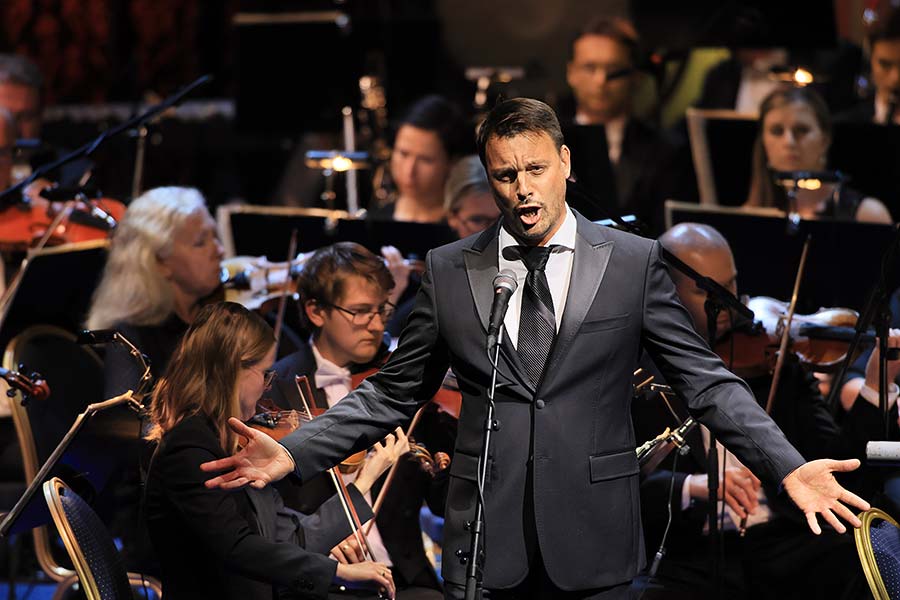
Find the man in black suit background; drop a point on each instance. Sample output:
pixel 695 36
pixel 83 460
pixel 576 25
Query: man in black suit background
pixel 617 155
pixel 561 494
pixel 884 63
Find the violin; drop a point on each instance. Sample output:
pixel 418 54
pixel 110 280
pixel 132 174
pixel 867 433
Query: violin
pixel 254 280
pixel 277 424
pixel 33 386
pixel 819 341
pixel 24 224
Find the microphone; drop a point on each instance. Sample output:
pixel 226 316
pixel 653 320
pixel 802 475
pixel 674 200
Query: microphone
pixel 883 454
pixel 504 285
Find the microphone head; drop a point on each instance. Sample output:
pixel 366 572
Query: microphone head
pixel 506 279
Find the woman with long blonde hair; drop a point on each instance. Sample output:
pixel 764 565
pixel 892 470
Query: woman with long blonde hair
pixel 164 260
pixel 216 544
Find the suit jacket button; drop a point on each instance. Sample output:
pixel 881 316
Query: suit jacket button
pixel 539 404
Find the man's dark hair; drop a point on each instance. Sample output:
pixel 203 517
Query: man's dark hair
pixel 618 29
pixel 518 116
pixel 324 275
pixel 439 115
pixel 885 27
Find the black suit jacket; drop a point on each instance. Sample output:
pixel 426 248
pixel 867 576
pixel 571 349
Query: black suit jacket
pixel 577 419
pixel 218 544
pixel 398 520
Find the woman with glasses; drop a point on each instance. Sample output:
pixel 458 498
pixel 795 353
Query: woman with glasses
pixel 468 199
pixel 344 295
pixel 164 261
pixel 217 544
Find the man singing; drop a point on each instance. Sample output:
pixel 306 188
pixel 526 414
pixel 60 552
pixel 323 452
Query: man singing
pixel 561 492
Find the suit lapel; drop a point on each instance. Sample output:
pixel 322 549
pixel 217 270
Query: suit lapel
pixel 592 254
pixel 481 268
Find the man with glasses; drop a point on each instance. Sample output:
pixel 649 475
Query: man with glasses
pixel 344 291
pixel 643 162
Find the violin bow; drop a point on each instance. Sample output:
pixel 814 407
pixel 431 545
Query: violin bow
pixel 282 302
pixel 786 332
pixel 342 492
pixel 379 501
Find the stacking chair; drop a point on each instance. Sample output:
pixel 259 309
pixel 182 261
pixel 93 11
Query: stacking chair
pixel 99 565
pixel 878 545
pixel 75 374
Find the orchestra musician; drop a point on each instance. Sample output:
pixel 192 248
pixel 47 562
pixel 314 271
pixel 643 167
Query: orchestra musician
pixel 164 261
pixel 884 65
pixel 468 200
pixel 794 135
pixel 344 292
pixel 430 137
pixel 561 494
pixel 777 556
pixel 216 544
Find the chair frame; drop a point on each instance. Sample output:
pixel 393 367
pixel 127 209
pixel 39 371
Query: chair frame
pixel 31 465
pixel 863 538
pixel 53 489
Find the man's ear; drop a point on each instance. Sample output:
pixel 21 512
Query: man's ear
pixel 314 312
pixel 566 159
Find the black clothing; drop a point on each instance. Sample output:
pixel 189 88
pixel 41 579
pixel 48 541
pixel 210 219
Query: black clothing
pixel 398 520
pixel 214 543
pixel 864 112
pixel 653 167
pixel 756 560
pixel 576 423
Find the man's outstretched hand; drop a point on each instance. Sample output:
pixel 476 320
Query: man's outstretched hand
pixel 261 461
pixel 814 489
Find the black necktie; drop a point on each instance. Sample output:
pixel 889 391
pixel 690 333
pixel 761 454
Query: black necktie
pixel 537 321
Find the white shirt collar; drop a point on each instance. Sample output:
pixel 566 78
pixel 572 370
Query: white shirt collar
pixel 325 366
pixel 564 236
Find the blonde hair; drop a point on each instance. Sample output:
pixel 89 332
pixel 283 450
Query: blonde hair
pixel 132 290
pixel 202 377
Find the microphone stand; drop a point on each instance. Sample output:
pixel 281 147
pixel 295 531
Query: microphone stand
pixel 713 307
pixel 877 311
pixel 474 558
pixel 136 122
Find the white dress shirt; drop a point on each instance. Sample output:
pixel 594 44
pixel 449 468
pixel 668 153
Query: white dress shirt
pixel 558 271
pixel 335 381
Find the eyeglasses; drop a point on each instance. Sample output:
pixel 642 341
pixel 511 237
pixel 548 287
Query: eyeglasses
pixel 362 318
pixel 268 376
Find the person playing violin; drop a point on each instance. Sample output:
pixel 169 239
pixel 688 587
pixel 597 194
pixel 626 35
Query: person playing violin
pixel 770 559
pixel 344 291
pixel 164 261
pixel 215 544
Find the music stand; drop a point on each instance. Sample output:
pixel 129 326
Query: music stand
pixel 844 257
pixel 250 230
pixel 591 168
pixel 55 288
pixel 728 136
pixel 413 240
pixel 265 230
pixel 100 441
